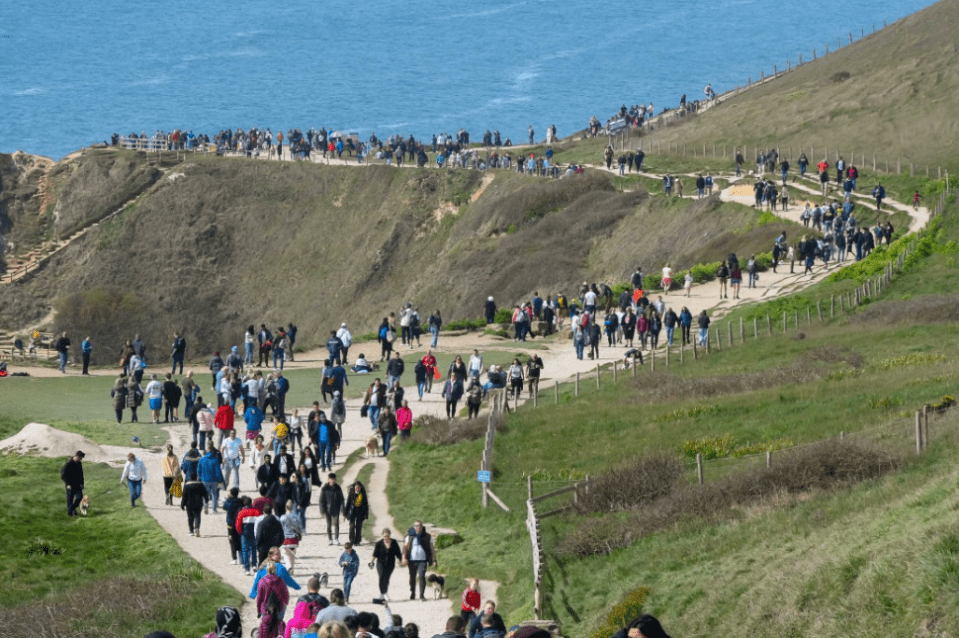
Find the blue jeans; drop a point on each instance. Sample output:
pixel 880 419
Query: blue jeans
pixel 374 415
pixel 703 336
pixel 249 354
pixel 669 335
pixel 436 332
pixel 421 387
pixel 386 442
pixel 278 354
pixel 347 583
pixel 391 379
pixel 248 547
pixel 579 348
pixel 73 501
pixel 752 279
pixel 63 361
pixel 213 490
pixel 326 453
pixel 177 358
pixel 135 489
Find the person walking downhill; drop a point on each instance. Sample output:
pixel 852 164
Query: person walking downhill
pixel 418 553
pixel 72 476
pixel 331 504
pixel 386 554
pixel 357 511
pixel 134 475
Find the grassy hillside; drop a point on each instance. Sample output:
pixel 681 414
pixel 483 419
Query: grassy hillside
pixel 890 94
pixel 220 243
pixel 822 562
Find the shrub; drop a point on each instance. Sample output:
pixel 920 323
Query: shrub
pixel 503 315
pixel 820 466
pixel 631 486
pixel 912 359
pixel 622 613
pixel 434 430
pixel 465 324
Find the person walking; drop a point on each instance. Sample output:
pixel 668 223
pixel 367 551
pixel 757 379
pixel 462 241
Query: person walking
pixel 195 498
pixel 171 467
pixel 134 475
pixel 387 426
pixel 386 553
pixel 331 503
pixel 435 323
pixel 452 392
pixel 210 474
pixel 86 347
pixel 72 476
pixel 118 394
pixel 357 511
pixel 350 562
pixel 418 553
pixel 179 352
pixel 62 347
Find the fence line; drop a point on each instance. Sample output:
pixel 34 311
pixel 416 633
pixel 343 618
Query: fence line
pixel 498 405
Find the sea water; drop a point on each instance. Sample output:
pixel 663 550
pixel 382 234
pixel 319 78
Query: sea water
pixel 73 73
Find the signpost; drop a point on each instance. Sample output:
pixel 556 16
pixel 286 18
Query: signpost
pixel 483 476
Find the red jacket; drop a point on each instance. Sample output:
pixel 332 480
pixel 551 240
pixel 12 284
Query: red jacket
pixel 224 418
pixel 247 512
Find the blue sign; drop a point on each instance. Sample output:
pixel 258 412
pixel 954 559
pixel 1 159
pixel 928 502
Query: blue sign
pixel 484 476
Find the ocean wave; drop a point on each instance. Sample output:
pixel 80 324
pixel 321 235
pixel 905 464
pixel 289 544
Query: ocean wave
pixel 33 90
pixel 488 12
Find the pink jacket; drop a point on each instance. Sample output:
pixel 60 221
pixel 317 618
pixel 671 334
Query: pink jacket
pixel 301 620
pixel 271 582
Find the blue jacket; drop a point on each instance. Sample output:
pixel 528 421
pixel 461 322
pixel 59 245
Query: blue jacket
pixel 352 560
pixel 281 571
pixel 208 469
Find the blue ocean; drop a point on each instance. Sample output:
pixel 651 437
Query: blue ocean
pixel 73 74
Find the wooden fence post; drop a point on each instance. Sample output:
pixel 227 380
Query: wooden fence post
pixel 652 361
pixel 576 390
pixel 755 328
pixel 682 353
pixel 832 306
pixel 796 312
pixel 784 322
pixel 918 432
pixel 808 316
pixel 730 331
pixel 556 392
pixel 742 331
pixel 614 372
pixel 667 354
pixel 699 467
pixel 819 309
pixel 597 376
pixel 769 458
pixel 769 324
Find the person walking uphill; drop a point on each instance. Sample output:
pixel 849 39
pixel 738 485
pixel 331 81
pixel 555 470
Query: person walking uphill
pixel 72 476
pixel 63 350
pixel 331 504
pixel 135 475
pixel 417 554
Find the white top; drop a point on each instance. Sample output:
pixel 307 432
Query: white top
pixel 154 389
pixel 134 471
pixel 667 273
pixel 589 298
pixel 476 363
pixel 416 550
pixel 345 337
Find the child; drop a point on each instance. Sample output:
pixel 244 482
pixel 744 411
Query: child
pixel 471 601
pixel 350 562
pixel 688 284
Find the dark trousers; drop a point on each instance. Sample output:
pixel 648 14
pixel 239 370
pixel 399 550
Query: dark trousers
pixel 73 501
pixel 167 484
pixel 356 530
pixel 450 408
pixel 193 517
pixel 384 575
pixel 417 568
pixel 333 526
pixel 685 333
pixel 236 544
pixel 119 415
pixel 86 362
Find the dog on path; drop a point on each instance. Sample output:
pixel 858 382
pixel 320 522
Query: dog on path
pixel 437 583
pixel 85 504
pixel 372 446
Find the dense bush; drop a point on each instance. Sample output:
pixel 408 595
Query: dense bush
pixel 631 486
pixel 435 430
pixel 821 466
pixel 622 613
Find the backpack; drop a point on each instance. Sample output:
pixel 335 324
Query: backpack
pixel 384 331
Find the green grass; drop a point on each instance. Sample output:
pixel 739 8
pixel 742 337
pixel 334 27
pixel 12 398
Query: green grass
pixel 74 404
pixel 60 563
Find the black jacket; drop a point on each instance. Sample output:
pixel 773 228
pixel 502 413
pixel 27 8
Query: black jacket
pixel 194 496
pixel 356 512
pixel 331 500
pixel 396 367
pixel 72 474
pixel 270 533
